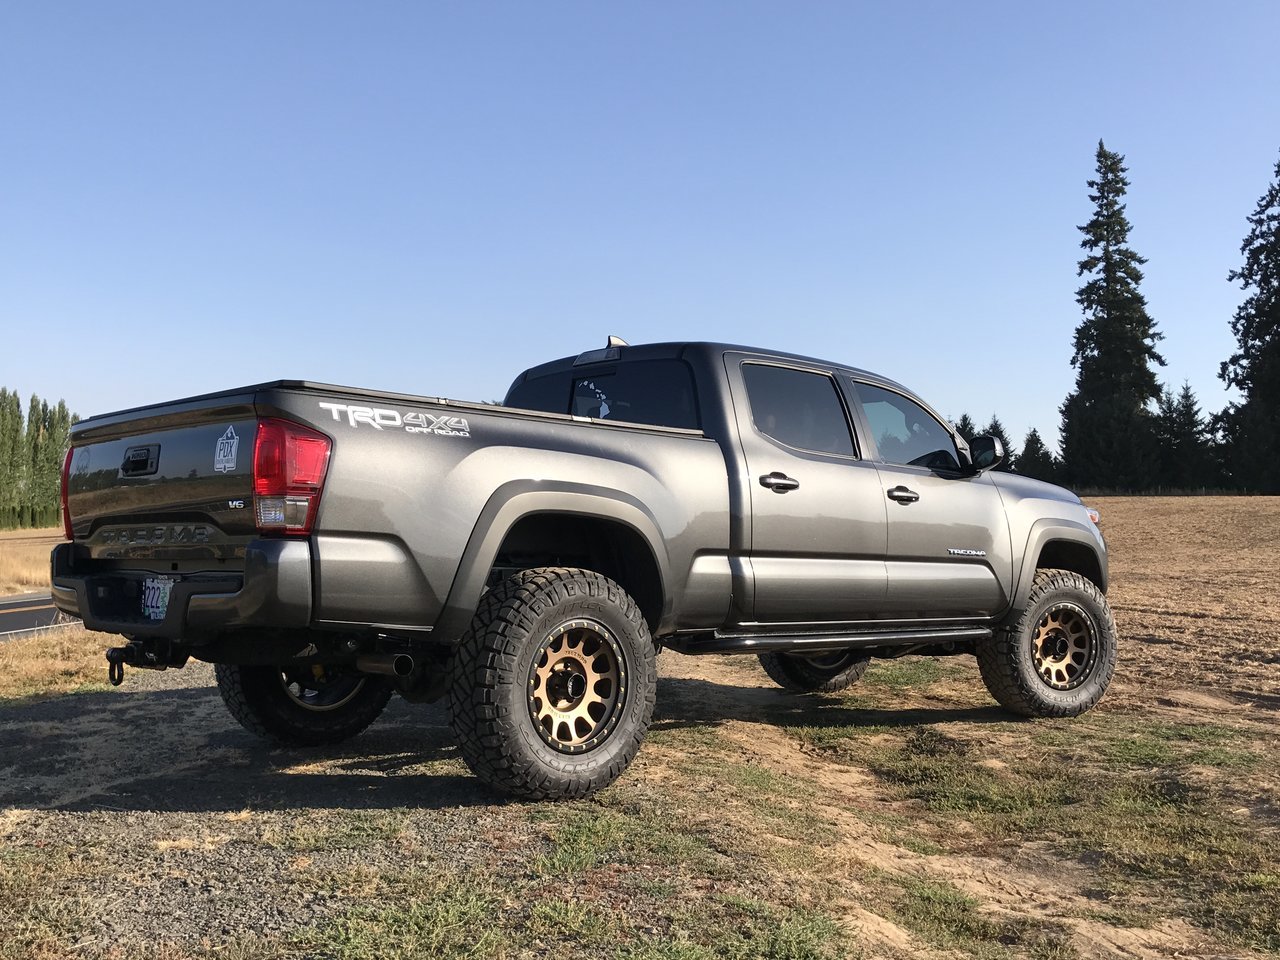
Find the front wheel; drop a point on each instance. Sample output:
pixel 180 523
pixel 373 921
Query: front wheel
pixel 302 706
pixel 551 689
pixel 1056 657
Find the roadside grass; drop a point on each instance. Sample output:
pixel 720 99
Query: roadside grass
pixel 24 559
pixel 1112 792
pixel 54 661
pixel 474 915
pixel 37 920
pixel 335 829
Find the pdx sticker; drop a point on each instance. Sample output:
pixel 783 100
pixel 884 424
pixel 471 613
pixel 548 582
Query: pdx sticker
pixel 224 454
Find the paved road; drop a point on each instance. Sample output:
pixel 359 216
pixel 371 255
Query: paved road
pixel 20 615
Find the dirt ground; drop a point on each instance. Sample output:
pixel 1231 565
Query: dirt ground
pixel 910 817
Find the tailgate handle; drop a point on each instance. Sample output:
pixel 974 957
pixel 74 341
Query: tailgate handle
pixel 141 461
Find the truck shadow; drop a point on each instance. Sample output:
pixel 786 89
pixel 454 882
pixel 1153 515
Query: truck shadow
pixel 178 750
pixel 692 702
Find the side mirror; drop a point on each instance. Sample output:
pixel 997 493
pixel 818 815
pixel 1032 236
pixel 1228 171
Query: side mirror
pixel 985 452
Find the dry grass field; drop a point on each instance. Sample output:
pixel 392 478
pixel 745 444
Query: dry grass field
pixel 908 818
pixel 24 559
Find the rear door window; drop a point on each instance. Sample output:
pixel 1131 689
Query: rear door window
pixel 798 408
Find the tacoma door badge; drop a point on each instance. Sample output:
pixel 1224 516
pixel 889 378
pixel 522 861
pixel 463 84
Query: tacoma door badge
pixel 965 552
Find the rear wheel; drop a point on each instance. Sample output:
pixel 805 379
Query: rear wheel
pixel 304 705
pixel 821 673
pixel 552 687
pixel 1056 657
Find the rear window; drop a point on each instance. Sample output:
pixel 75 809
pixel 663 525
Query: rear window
pixel 798 408
pixel 655 392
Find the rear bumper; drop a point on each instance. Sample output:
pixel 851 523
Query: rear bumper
pixel 273 591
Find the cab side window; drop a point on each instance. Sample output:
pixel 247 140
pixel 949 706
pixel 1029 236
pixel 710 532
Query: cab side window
pixel 906 433
pixel 798 408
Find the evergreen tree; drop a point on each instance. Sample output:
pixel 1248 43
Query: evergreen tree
pixel 1035 460
pixel 10 435
pixel 966 427
pixel 17 462
pixel 1252 427
pixel 1108 429
pixel 31 456
pixel 996 429
pixel 1186 459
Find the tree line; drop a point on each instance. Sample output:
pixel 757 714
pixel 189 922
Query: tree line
pixel 32 448
pixel 1121 429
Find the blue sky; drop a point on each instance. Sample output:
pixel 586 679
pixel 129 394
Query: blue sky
pixel 430 197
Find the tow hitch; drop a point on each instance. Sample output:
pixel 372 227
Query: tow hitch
pixel 143 654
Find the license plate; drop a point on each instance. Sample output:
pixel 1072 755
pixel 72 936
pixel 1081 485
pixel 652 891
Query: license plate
pixel 155 597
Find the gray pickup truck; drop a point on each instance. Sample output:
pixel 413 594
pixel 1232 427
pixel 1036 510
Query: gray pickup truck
pixel 327 547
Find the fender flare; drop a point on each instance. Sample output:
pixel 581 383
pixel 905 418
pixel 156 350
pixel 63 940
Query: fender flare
pixel 1049 530
pixel 517 499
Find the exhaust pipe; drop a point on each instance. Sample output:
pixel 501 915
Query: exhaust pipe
pixel 386 664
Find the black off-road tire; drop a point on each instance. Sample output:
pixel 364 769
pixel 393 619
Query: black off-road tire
pixel 1008 660
pixel 499 665
pixel 258 697
pixel 829 674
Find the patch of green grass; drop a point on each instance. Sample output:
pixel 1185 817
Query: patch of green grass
pixel 948 918
pixel 337 830
pixel 565 920
pixel 945 773
pixel 1137 823
pixel 744 928
pixel 587 836
pixel 849 742
pixel 453 919
pixel 1135 743
pixel 908 672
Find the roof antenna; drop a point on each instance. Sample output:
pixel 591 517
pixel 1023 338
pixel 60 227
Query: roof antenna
pixel 616 342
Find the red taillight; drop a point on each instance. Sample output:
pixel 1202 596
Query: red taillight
pixel 66 478
pixel 289 464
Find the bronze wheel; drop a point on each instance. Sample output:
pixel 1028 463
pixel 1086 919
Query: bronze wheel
pixel 1056 654
pixel 1064 646
pixel 577 682
pixel 551 690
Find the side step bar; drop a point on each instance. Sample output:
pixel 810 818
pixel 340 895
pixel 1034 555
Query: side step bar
pixel 799 643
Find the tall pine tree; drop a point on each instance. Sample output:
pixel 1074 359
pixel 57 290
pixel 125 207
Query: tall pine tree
pixel 966 427
pixel 1186 459
pixel 1035 460
pixel 10 437
pixel 1108 428
pixel 1252 427
pixel 996 429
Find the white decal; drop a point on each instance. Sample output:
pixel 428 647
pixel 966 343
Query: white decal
pixel 224 454
pixel 414 421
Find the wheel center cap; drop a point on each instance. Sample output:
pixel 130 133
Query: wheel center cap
pixel 567 685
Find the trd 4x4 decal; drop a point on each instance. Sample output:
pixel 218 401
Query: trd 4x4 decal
pixel 415 421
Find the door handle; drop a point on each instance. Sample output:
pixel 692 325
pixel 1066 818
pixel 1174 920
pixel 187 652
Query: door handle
pixel 779 482
pixel 903 495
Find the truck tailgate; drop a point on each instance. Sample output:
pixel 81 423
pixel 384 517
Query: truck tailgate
pixel 168 482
